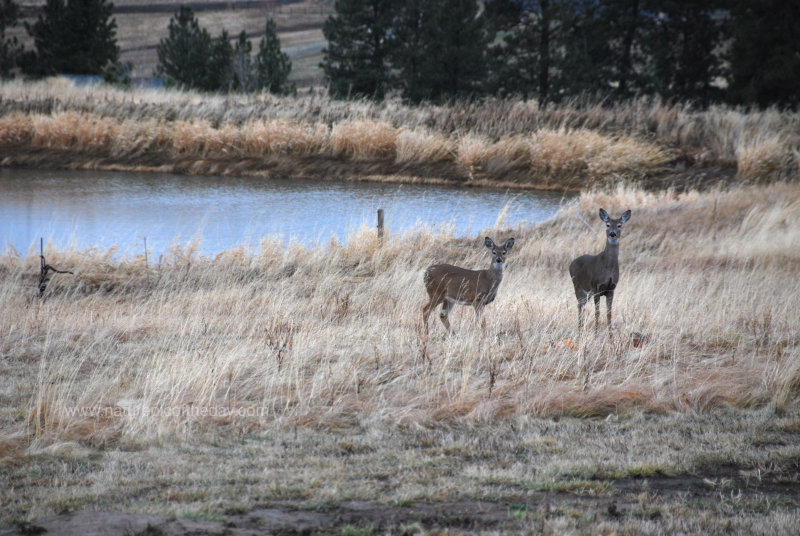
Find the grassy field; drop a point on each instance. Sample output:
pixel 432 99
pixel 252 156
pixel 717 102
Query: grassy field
pixel 291 389
pixel 294 389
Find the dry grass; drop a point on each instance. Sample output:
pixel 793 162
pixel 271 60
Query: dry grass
pixel 497 142
pixel 363 140
pixel 160 389
pixel 284 137
pixel 212 351
pixel 334 332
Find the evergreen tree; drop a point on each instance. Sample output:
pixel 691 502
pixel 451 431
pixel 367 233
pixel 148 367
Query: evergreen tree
pixel 183 56
pixel 682 36
pixel 355 62
pixel 502 15
pixel 219 73
pixel 10 49
pixel 272 65
pixel 584 67
pixel 441 51
pixel 624 21
pixel 526 59
pixel 244 73
pixel 408 53
pixel 73 37
pixel 765 53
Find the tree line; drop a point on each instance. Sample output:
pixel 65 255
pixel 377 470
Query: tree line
pixel 704 51
pixel 79 37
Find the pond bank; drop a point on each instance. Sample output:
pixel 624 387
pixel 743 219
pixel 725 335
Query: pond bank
pixel 441 173
pixel 496 143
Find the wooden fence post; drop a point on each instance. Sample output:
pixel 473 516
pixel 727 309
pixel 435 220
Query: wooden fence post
pixel 380 227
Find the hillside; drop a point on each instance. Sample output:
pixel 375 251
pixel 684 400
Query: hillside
pixel 141 25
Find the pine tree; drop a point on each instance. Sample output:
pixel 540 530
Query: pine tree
pixel 355 62
pixel 407 48
pixel 219 72
pixel 624 21
pixel 525 61
pixel 183 56
pixel 682 37
pixel 765 53
pixel 10 49
pixel 272 65
pixel 447 56
pixel 585 66
pixel 244 72
pixel 73 37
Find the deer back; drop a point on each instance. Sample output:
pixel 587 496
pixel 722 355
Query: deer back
pixel 460 284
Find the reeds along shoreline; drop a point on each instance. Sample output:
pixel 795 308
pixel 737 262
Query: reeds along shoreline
pixel 332 335
pixel 513 142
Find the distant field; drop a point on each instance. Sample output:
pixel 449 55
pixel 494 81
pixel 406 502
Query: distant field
pixel 141 25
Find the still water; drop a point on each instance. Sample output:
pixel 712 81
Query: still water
pixel 104 209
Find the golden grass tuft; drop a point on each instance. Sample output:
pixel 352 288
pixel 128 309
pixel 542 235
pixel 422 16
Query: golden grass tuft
pixel 283 137
pixel 765 158
pixel 583 152
pixel 16 129
pixel 72 130
pixel 472 151
pixel 137 139
pixel 422 146
pixel 363 140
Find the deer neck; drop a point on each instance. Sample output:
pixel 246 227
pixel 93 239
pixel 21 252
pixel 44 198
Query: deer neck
pixel 495 273
pixel 610 255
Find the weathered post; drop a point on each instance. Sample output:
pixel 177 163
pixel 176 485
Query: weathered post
pixel 44 268
pixel 380 227
pixel 146 264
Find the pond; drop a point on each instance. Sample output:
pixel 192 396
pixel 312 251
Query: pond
pixel 122 209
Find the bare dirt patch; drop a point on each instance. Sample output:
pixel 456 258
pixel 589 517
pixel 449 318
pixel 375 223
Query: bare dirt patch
pixel 633 498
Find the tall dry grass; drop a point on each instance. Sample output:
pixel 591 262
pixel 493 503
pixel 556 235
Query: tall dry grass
pixel 494 139
pixel 331 336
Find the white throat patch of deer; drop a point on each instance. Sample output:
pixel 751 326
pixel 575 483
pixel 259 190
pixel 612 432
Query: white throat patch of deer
pixel 449 285
pixel 597 275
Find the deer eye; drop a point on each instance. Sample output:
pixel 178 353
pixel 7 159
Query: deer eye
pixel 608 225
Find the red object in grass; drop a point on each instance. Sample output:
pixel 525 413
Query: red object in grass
pixel 639 339
pixel 566 343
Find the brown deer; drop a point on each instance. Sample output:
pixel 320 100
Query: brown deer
pixel 597 275
pixel 449 285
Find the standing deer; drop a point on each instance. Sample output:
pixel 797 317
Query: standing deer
pixel 449 285
pixel 598 275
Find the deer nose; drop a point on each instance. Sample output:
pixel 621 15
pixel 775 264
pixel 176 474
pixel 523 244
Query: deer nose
pixel 612 234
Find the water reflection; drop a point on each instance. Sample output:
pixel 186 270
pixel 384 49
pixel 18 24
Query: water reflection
pixel 104 209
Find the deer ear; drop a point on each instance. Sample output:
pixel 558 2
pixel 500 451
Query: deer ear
pixel 603 214
pixel 509 244
pixel 626 216
pixel 489 243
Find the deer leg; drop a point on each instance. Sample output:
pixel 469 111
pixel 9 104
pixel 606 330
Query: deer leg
pixel 446 306
pixel 609 300
pixel 426 312
pixel 596 312
pixel 581 303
